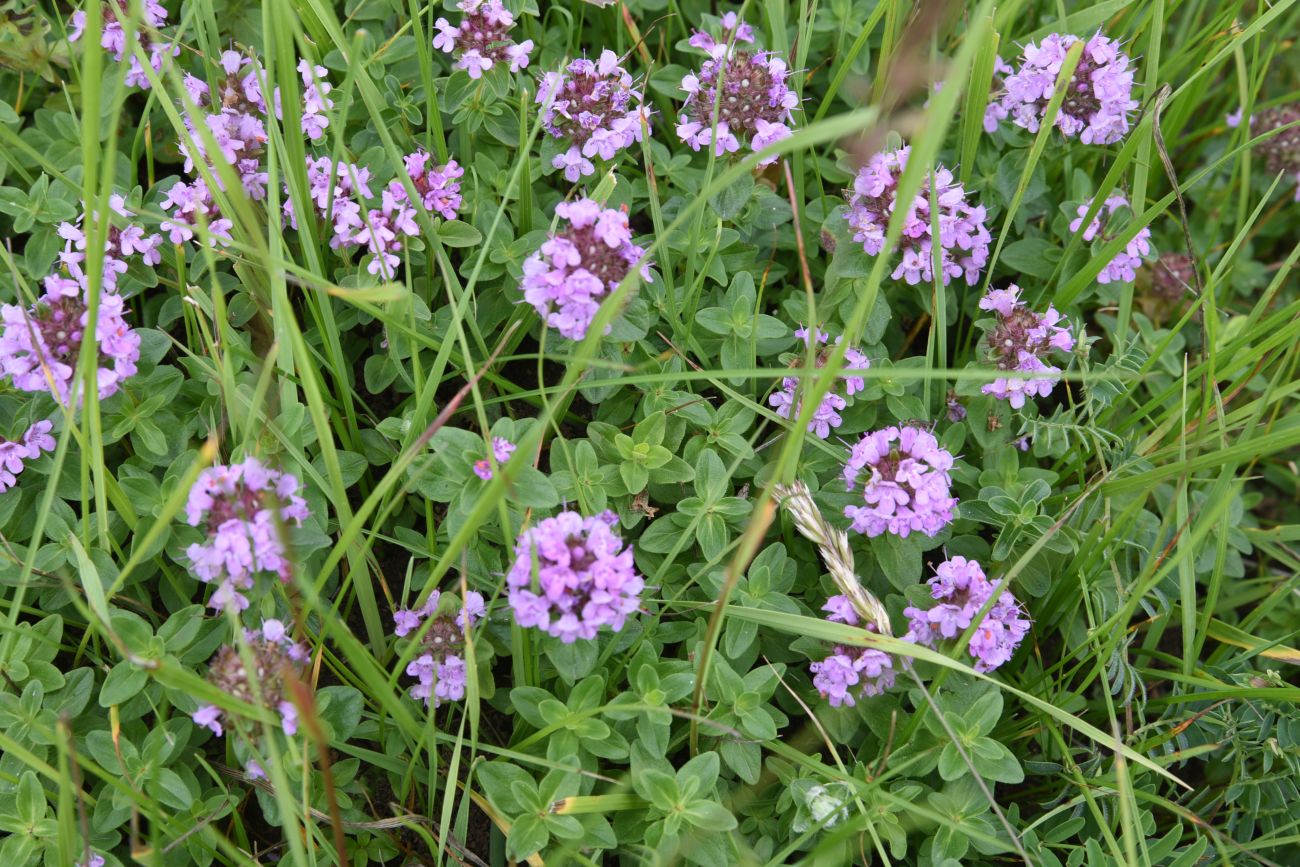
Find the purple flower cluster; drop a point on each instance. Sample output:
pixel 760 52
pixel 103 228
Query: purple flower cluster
pixel 595 107
pixel 1281 152
pixel 1098 100
pixel 747 87
pixel 241 505
pixel 440 668
pixel 1172 276
pixel 572 575
pixel 482 38
pixel 961 590
pixel 1123 268
pixel 342 194
pixel 1021 341
pixel 121 242
pixel 905 483
pixel 94 859
pixel 237 125
pixel 14 453
pixel 278 659
pixel 114 39
pixel 851 672
pixel 502 449
pixel 437 186
pixel 576 267
pixel 963 237
pixel 787 402
pixel 191 206
pixel 40 345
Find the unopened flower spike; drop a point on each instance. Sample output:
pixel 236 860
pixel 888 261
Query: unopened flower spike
pixel 833 544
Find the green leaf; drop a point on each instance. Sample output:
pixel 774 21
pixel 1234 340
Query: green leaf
pixel 657 787
pixel 899 559
pixel 651 429
pixel 497 779
pixel 30 803
pixel 124 682
pixel 527 835
pixel 455 233
pixel 699 775
pixel 728 203
pixel 1032 256
pixel 635 476
pixel 710 476
pixel 532 489
pixel 709 816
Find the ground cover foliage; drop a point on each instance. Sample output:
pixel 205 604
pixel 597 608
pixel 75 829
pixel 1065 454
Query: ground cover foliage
pixel 812 432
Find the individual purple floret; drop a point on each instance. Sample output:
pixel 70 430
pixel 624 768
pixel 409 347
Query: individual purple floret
pixel 440 669
pixel 114 39
pixel 755 102
pixel 15 453
pixel 827 416
pixel 279 660
pixel 575 268
pixel 40 345
pixel 123 240
pixel 1098 99
pixel 596 108
pixel 996 111
pixel 961 590
pixel 482 38
pixel 94 859
pixel 1021 341
pixel 851 672
pixel 905 483
pixel 1122 268
pixel 502 449
pixel 240 506
pixel 572 575
pixel 963 237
